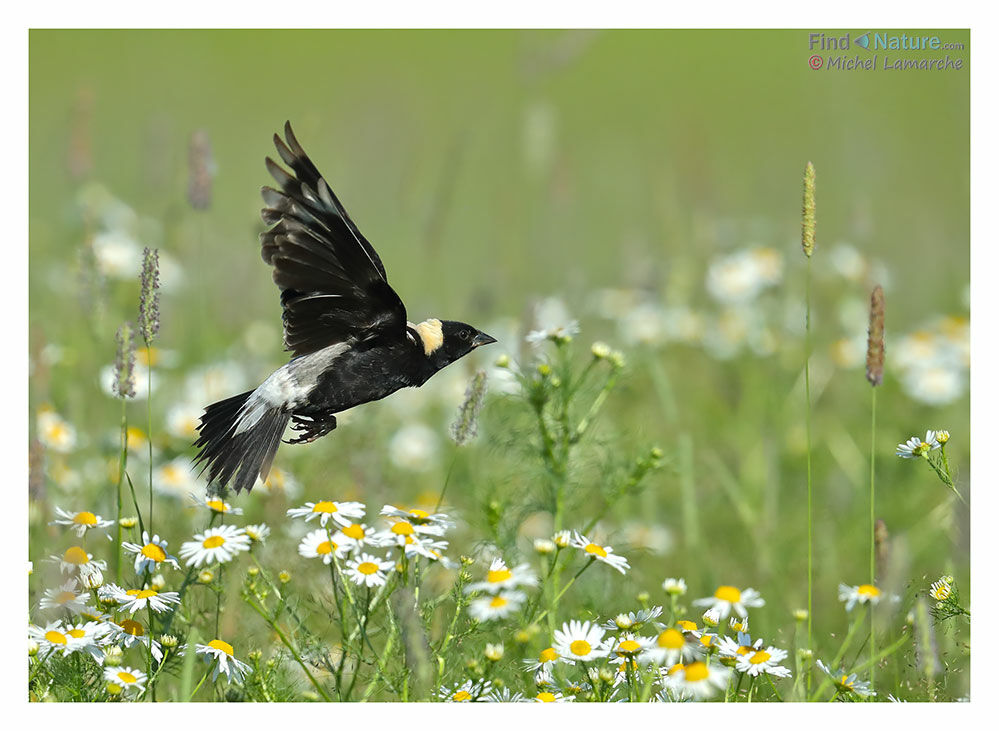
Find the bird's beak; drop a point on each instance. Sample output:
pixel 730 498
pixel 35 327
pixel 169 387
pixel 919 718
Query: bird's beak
pixel 482 339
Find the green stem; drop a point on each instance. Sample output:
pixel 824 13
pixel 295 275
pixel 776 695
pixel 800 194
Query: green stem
pixel 200 682
pixel 874 396
pixel 808 437
pixel 122 462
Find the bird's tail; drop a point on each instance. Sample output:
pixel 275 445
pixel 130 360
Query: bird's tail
pixel 234 453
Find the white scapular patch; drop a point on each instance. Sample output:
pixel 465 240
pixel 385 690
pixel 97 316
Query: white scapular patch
pixel 431 333
pixel 288 386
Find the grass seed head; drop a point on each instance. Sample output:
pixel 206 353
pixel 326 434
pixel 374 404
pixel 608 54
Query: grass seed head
pixel 876 338
pixel 808 211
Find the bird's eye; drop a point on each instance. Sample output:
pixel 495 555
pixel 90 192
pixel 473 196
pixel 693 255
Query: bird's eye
pixel 465 335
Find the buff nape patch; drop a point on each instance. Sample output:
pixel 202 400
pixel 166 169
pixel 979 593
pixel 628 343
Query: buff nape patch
pixel 432 335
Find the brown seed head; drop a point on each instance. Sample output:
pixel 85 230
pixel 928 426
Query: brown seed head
pixel 876 338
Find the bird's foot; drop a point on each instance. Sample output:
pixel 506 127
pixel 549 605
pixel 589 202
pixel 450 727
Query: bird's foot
pixel 311 428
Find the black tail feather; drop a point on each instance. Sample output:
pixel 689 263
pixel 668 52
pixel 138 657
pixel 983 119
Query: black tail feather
pixel 238 459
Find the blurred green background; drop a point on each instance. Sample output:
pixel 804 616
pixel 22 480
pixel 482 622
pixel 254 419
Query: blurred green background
pixel 494 168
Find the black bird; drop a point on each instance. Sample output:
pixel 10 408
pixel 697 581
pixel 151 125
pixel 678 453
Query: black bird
pixel 345 326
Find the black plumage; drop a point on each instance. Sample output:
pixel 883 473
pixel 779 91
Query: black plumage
pixel 344 324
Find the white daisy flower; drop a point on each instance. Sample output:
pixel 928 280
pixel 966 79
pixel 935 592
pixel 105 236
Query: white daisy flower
pixel 546 659
pixel 847 683
pixel 740 647
pixel 915 447
pixel 54 432
pixel 484 609
pixel 368 570
pixel 219 654
pixel 504 695
pixel 151 555
pixel 132 600
pixel 700 680
pixel 435 524
pixel 688 627
pixel 77 560
pixel 763 661
pixel 562 539
pixel 633 620
pixel 728 599
pixel 941 589
pixel 467 692
pixel 580 641
pixel 863 594
pixel 178 478
pixel 128 633
pixel 65 597
pixel 670 647
pixel 628 645
pixel 317 544
pixel 217 505
pixel 343 513
pixel 600 553
pixel 126 678
pixel 676 587
pixel 355 536
pixel 66 639
pixel 257 532
pixel 80 522
pixel 500 577
pixel 215 545
pixel 547 696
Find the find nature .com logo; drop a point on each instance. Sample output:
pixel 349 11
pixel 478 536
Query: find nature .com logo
pixel 884 51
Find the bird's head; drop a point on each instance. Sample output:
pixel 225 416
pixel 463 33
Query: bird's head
pixel 445 341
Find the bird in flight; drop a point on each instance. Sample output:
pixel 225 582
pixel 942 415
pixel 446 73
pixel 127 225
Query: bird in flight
pixel 343 323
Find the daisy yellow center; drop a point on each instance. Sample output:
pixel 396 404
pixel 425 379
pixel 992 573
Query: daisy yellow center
pixel 151 550
pixel 497 601
pixel 675 669
pixel 941 592
pixel 131 627
pixel 213 542
pixel 868 591
pixel 325 547
pixel 499 575
pixel 126 677
pixel 844 681
pixel 57 431
pixel 728 594
pixel 85 518
pixel 760 656
pixel 64 596
pixel 421 514
pixel 687 625
pixel 367 568
pixel 402 528
pixel 461 695
pixel 628 647
pixel 545 697
pixel 220 645
pixel 76 632
pixel 217 505
pixel 142 593
pixel 324 506
pixel 671 639
pixel 75 555
pixel 354 531
pixel 56 638
pixel 696 671
pixel 594 549
pixel 706 640
pixel 580 648
pixel 743 650
pixel 548 655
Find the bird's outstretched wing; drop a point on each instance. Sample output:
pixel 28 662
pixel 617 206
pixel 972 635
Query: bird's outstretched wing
pixel 333 285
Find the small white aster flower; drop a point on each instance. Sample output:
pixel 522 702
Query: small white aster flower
pixel 486 608
pixel 219 655
pixel 711 617
pixel 764 660
pixel 728 599
pixel 126 678
pixel 941 590
pixel 544 546
pixel 847 683
pixel 356 536
pixel 368 570
pixel 505 695
pixel 676 587
pixel 128 633
pixel 343 513
pixel 55 432
pixel 65 597
pixel 467 692
pixel 258 532
pixel 501 577
pixel 546 658
pixel 915 447
pixel 562 539
pixel 670 647
pixel 628 645
pixel 547 696
pixel 941 435
pixel 580 641
pixel 633 620
pixel 435 524
pixel 317 544
pixel 604 554
pixel 66 639
pixel 739 647
pixel 132 600
pixel 701 680
pixel 863 594
pixel 215 545
pixel 151 554
pixel 80 522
